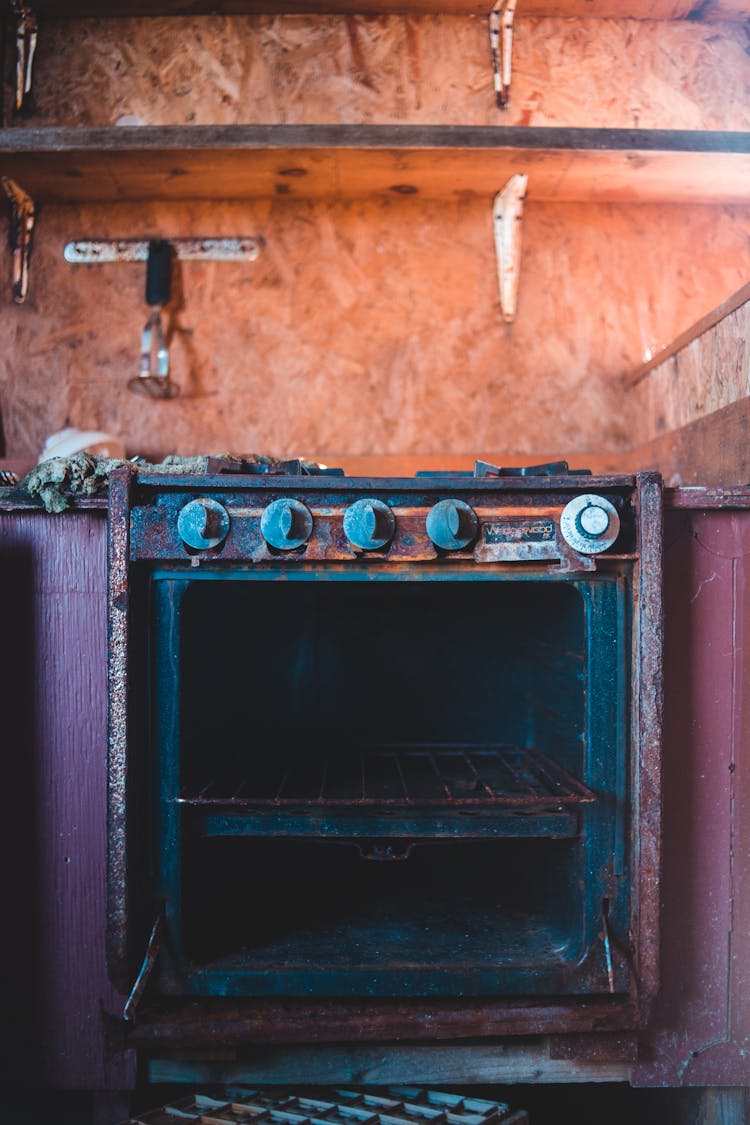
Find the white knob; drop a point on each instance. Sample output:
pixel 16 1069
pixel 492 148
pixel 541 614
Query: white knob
pixel 589 524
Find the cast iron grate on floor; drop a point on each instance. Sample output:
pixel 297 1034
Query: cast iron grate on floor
pixel 400 1106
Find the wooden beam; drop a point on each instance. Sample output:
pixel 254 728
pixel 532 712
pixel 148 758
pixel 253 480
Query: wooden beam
pixel 311 161
pixel 380 1065
pixel 713 451
pixel 710 320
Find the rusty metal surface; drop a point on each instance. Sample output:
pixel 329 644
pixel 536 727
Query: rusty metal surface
pixel 518 518
pixel 437 776
pixel 117 860
pixel 647 749
pixel 154 537
pixel 300 1106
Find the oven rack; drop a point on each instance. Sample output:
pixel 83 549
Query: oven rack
pixel 412 790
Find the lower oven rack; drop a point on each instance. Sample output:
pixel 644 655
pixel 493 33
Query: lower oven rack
pixel 471 791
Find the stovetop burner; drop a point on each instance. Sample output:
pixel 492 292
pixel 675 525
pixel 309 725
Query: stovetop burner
pixel 296 467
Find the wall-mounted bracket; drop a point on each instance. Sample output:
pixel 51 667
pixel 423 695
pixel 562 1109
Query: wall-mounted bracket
pixel 22 215
pixel 501 48
pixel 26 41
pixel 187 249
pixel 507 218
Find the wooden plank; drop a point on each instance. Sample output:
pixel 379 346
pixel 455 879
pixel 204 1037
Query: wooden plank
pixel 710 320
pixel 606 9
pixel 242 162
pixel 422 1065
pixel 53 573
pixel 713 451
pixel 700 1034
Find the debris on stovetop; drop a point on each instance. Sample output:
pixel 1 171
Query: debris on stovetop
pixel 59 481
pixel 405 1105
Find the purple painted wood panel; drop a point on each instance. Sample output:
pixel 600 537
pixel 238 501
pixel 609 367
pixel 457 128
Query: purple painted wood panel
pixel 53 703
pixel 54 707
pixel 700 1034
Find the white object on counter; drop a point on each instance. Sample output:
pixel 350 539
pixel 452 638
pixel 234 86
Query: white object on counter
pixel 68 442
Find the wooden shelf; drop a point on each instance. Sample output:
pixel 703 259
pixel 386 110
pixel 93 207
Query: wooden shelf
pixel 324 161
pixel 705 10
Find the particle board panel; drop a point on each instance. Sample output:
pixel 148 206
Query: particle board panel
pixel 245 162
pixel 629 9
pixel 709 372
pixel 713 450
pixel 364 328
pixel 214 70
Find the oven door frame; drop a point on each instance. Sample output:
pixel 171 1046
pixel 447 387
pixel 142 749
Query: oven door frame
pixel 475 1016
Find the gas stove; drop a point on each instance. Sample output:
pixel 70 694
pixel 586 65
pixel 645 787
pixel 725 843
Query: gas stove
pixel 455 675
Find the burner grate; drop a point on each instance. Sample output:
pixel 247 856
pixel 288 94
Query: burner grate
pixel 403 1106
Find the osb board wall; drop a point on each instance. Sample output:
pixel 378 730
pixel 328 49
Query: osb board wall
pixel 712 372
pixel 324 69
pixel 368 327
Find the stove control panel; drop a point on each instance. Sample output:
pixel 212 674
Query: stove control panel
pixel 554 526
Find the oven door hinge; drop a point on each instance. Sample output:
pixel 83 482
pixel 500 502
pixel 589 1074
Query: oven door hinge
pixel 147 966
pixel 501 48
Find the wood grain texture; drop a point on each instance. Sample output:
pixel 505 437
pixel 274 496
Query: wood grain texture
pixel 710 372
pixel 58 604
pixel 595 9
pixel 430 69
pixel 340 162
pixel 713 451
pixel 430 1064
pixel 364 328
pixel 707 322
pixel 701 1030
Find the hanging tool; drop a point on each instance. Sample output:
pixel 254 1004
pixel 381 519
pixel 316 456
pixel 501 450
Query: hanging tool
pixel 26 42
pixel 20 231
pixel 153 378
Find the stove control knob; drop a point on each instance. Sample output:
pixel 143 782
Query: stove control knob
pixel 589 524
pixel 451 524
pixel 203 524
pixel 369 524
pixel 286 524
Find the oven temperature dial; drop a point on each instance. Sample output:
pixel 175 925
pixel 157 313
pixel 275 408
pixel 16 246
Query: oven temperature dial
pixel 589 524
pixel 286 524
pixel 203 524
pixel 451 524
pixel 369 524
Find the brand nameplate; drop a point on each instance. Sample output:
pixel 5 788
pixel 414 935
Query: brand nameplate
pixel 520 531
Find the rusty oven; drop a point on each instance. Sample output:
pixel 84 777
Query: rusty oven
pixel 382 750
